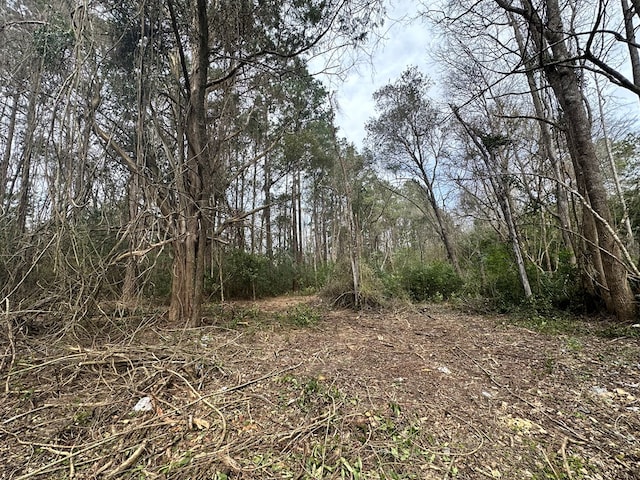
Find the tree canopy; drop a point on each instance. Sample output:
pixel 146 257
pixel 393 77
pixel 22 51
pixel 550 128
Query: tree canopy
pixel 183 151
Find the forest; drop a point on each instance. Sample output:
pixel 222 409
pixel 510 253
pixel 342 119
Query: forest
pixel 182 220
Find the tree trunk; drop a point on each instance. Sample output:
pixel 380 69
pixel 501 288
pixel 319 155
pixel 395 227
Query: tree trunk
pixel 188 274
pixel 504 200
pixel 298 199
pixel 129 285
pixel 564 81
pixel 629 29
pixel 27 153
pixel 267 210
pixel 189 245
pixel 630 241
pixel 134 187
pixel 498 174
pixel 443 233
pixel 6 156
pixel 353 245
pixel 562 202
pixel 563 72
pixel 293 228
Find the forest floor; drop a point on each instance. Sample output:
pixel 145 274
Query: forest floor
pixel 291 389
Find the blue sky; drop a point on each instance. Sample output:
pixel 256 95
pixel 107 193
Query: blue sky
pixel 405 41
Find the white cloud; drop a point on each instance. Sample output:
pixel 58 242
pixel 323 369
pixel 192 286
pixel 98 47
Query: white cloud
pixel 406 41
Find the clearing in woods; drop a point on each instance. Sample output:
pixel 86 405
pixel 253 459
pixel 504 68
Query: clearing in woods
pixel 290 389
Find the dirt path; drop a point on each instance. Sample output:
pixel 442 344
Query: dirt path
pixel 287 388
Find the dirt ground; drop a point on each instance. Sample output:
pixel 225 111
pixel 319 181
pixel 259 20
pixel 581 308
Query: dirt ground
pixel 291 389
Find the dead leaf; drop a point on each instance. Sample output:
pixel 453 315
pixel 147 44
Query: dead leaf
pixel 201 423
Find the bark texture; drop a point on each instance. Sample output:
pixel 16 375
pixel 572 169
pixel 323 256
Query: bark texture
pixel 562 73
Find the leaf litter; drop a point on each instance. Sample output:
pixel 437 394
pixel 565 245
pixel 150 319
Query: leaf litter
pixel 424 393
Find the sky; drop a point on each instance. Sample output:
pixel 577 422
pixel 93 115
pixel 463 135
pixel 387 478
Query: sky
pixel 405 41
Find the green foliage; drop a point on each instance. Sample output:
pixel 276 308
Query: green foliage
pixel 499 281
pixel 393 285
pixel 492 282
pixel 493 142
pixel 433 281
pixel 556 322
pixel 558 290
pixel 247 275
pixel 52 40
pixel 301 316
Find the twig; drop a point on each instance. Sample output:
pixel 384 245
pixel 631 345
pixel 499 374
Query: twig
pixel 479 470
pixel 72 468
pixel 48 466
pixel 259 379
pixel 207 403
pixel 12 344
pixel 44 364
pixel 57 464
pixel 104 468
pixel 24 414
pixel 546 457
pixel 129 461
pixel 314 424
pixel 449 469
pixel 582 440
pixel 565 462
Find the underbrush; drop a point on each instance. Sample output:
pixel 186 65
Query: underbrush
pixel 340 292
pixel 168 407
pixel 543 318
pixel 273 393
pixel 235 316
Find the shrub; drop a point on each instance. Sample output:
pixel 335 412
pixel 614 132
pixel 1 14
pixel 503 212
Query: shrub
pixel 437 280
pixel 246 275
pixel 301 316
pixel 393 285
pixel 340 291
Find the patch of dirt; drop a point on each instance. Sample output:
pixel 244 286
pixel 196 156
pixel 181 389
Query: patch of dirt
pixel 287 388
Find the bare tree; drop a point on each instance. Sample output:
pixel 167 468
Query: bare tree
pixel 489 147
pixel 550 47
pixel 409 137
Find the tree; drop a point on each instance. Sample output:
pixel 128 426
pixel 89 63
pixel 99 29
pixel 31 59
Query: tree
pixel 549 44
pixel 216 50
pixel 409 137
pixel 489 146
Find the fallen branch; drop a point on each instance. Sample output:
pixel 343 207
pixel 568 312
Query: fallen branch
pixel 129 461
pixel 24 414
pixel 565 462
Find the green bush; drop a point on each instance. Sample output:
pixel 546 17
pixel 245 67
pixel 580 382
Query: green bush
pixel 492 282
pixel 433 281
pixel 247 275
pixel 560 289
pixel 393 285
pixel 501 283
pixel 301 316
